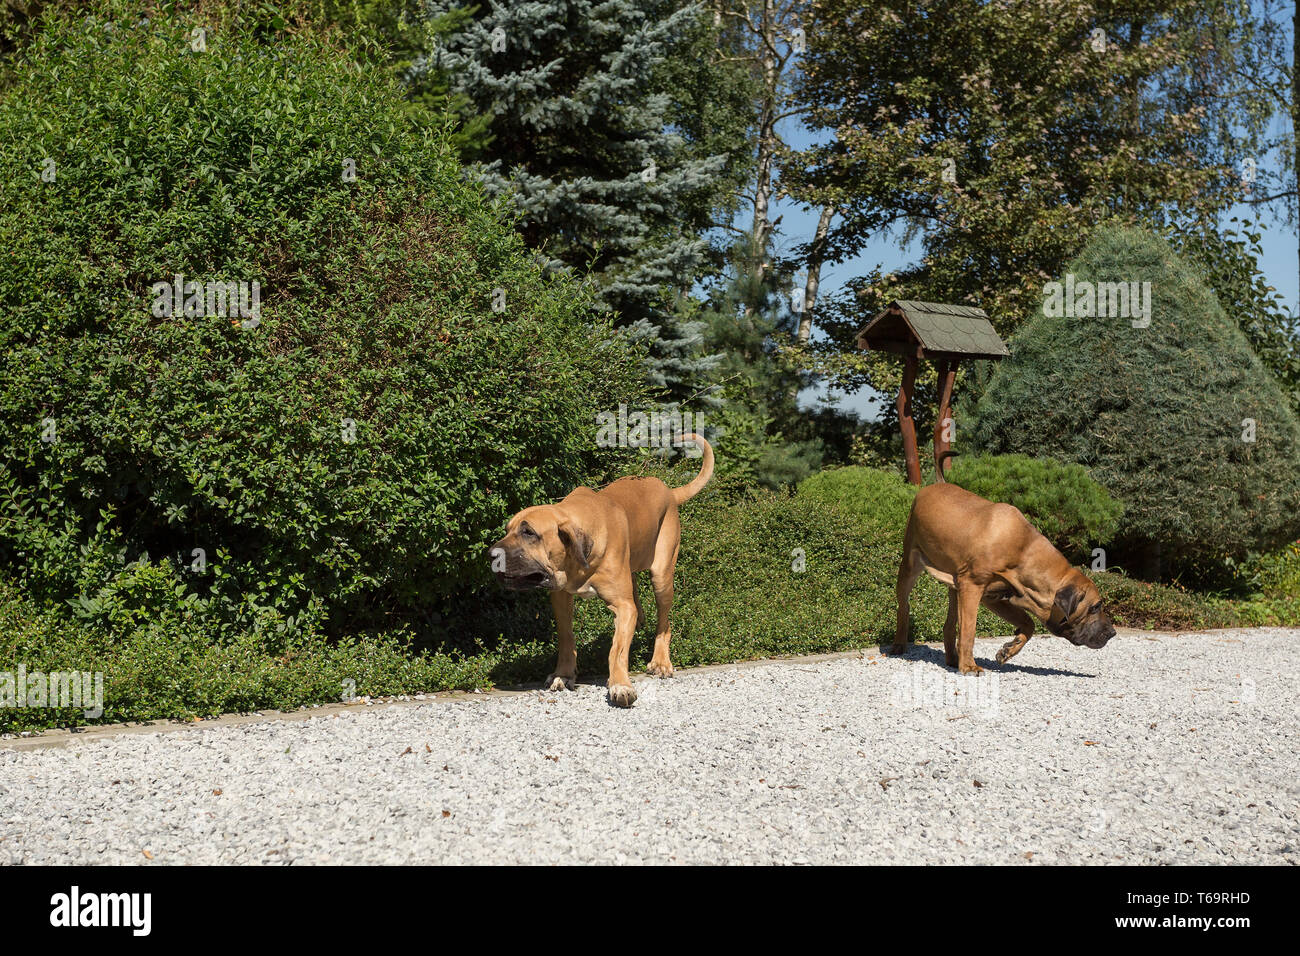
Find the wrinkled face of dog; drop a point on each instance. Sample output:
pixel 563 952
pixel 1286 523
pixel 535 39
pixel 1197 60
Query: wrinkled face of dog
pixel 540 549
pixel 1077 615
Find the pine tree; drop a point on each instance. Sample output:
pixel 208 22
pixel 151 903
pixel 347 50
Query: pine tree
pixel 580 143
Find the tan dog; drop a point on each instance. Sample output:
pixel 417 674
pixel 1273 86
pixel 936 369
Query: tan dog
pixel 593 543
pixel 988 554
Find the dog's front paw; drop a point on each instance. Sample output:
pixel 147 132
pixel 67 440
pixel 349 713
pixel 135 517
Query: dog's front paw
pixel 1005 653
pixel 970 669
pixel 655 669
pixel 559 682
pixel 622 695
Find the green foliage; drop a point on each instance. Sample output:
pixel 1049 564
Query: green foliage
pixel 766 439
pixel 1279 573
pixel 162 665
pixel 1229 261
pixel 997 136
pixel 398 34
pixel 1142 604
pixel 1062 501
pixel 881 497
pixel 1155 414
pixel 710 92
pixel 139 437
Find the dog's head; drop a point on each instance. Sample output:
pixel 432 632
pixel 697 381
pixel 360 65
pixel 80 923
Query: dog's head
pixel 1077 613
pixel 542 548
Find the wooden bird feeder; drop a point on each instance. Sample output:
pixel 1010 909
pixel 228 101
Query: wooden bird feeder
pixel 944 334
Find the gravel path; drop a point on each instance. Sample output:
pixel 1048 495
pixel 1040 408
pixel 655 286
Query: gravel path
pixel 1160 748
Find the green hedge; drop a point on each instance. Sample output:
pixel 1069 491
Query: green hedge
pixel 879 497
pixel 739 596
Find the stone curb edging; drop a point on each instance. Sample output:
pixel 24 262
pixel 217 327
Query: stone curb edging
pixel 50 739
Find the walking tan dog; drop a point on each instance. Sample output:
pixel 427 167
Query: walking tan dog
pixel 594 542
pixel 988 554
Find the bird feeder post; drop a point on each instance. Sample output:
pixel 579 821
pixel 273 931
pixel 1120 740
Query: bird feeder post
pixel 906 423
pixel 942 445
pixel 944 334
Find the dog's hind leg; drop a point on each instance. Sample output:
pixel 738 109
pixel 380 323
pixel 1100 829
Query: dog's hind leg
pixel 968 597
pixel 566 662
pixel 636 597
pixel 661 576
pixel 1022 622
pixel 950 630
pixel 908 571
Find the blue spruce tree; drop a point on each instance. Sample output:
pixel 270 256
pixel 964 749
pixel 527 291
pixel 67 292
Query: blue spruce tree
pixel 579 140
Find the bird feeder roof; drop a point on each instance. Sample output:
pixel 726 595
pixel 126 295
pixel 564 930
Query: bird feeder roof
pixel 933 330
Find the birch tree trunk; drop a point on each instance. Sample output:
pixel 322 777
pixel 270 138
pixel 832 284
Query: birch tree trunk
pixel 816 256
pixel 761 228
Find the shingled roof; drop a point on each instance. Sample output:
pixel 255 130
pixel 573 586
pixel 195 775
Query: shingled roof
pixel 939 330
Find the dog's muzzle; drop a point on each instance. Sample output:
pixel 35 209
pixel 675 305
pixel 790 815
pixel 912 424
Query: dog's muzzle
pixel 1088 636
pixel 517 572
pixel 1094 634
pixel 1096 637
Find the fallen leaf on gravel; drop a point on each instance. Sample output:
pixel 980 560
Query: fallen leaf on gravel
pixel 978 784
pixel 216 793
pixel 147 854
pixel 446 813
pixel 408 750
pixel 1090 743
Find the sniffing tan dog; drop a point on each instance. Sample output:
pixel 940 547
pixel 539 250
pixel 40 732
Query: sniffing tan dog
pixel 988 554
pixel 593 543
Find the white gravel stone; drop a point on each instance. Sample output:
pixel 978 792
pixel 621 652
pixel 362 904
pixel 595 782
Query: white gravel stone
pixel 1160 748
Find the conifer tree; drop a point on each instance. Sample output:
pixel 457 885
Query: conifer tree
pixel 580 143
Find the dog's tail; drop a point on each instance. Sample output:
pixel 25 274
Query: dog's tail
pixel 939 464
pixel 689 491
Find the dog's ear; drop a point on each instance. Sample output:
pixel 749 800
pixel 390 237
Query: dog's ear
pixel 1067 600
pixel 576 541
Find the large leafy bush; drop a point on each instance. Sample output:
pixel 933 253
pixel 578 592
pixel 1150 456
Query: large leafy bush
pixel 354 452
pixel 1062 501
pixel 1158 415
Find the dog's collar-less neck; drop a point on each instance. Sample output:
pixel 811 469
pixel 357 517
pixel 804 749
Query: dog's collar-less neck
pixel 1055 620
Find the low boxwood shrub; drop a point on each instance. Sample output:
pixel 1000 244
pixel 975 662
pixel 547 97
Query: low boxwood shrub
pixel 1143 604
pixel 878 496
pixel 162 666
